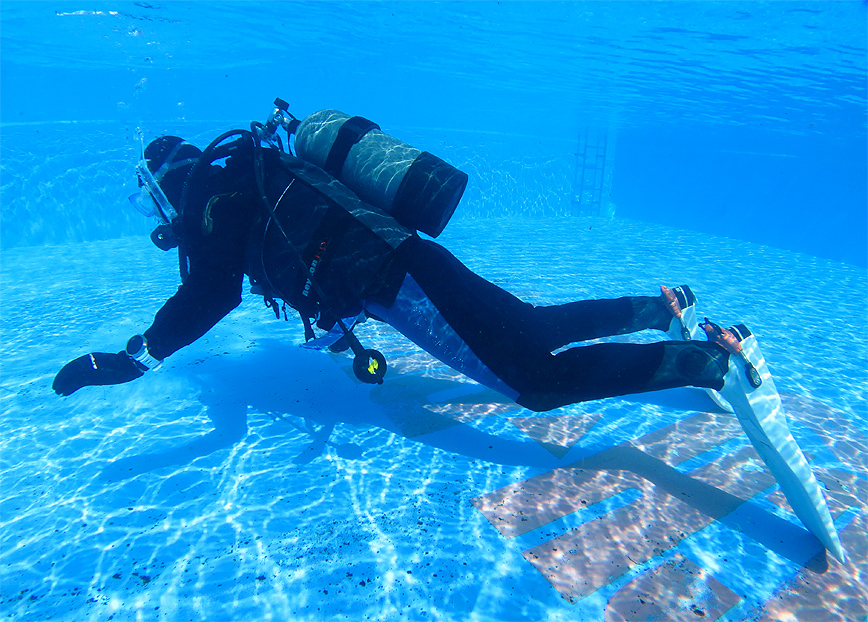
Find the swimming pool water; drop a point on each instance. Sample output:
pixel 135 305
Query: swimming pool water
pixel 746 113
pixel 254 479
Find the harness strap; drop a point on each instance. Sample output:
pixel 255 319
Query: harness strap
pixel 183 260
pixel 308 329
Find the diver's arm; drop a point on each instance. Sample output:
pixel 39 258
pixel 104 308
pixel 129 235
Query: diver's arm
pixel 202 301
pixel 205 298
pixel 217 239
pixel 212 289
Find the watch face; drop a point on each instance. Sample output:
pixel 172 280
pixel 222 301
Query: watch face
pixel 136 345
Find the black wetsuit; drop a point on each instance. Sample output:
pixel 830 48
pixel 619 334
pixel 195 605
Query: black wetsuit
pixel 414 284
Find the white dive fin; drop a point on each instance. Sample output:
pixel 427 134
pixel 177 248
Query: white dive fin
pixel 685 327
pixel 750 389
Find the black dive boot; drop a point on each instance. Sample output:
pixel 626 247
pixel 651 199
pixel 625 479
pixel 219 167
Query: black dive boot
pixel 681 303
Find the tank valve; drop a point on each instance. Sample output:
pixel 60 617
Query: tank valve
pixel 279 117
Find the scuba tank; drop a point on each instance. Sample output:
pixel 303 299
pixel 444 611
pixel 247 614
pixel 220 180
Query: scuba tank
pixel 418 189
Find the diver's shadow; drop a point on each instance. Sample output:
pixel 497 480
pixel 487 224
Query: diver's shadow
pixel 323 396
pixel 743 515
pixel 416 406
pixel 294 384
pixel 229 428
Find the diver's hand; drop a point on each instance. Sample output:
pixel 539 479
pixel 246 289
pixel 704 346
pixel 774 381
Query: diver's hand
pixel 97 368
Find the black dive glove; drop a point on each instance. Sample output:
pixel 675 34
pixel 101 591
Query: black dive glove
pixel 98 368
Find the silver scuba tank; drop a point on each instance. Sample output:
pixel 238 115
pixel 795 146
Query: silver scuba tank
pixel 418 189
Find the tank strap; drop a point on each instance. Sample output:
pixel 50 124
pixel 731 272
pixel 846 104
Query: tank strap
pixel 416 206
pixel 350 133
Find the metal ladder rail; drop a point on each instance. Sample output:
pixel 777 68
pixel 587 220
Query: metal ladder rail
pixel 578 177
pixel 593 171
pixel 599 182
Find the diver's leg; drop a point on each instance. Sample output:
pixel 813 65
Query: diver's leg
pixel 417 317
pixel 463 320
pixel 613 369
pixel 445 278
pixel 473 325
pixel 584 320
pixel 673 312
pixel 507 361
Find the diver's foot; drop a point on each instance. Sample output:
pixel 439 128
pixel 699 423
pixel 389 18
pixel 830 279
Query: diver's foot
pixel 681 303
pixel 730 339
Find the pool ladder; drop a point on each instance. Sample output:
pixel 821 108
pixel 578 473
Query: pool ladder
pixel 592 177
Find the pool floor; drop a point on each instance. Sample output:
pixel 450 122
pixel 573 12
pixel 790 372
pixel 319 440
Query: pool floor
pixel 252 479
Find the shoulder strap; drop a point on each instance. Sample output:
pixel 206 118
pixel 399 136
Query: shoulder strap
pixel 377 220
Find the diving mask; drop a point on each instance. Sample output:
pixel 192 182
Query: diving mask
pixel 150 200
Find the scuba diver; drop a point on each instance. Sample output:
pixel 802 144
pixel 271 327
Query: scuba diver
pixel 304 238
pixel 307 240
pixel 333 232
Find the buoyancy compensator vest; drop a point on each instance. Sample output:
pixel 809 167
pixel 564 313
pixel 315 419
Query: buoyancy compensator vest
pixel 322 249
pixel 418 189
